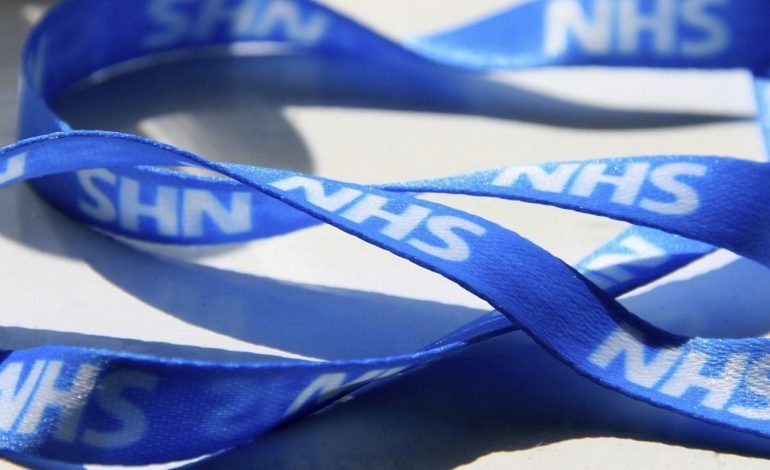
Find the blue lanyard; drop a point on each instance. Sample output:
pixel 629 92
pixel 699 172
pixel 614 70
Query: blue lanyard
pixel 88 405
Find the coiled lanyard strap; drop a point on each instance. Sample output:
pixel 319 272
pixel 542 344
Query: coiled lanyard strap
pixel 88 405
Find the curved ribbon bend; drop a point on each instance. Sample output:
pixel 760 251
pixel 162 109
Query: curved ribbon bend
pixel 87 405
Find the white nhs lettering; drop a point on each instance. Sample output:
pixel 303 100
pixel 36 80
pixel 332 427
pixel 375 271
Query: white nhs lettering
pixel 363 207
pixel 185 20
pixel 24 403
pixel 176 212
pixel 607 269
pixel 14 168
pixel 625 341
pixel 328 386
pixel 617 26
pixel 627 186
pixel 685 371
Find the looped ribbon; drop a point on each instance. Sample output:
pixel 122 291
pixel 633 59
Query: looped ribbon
pixel 82 404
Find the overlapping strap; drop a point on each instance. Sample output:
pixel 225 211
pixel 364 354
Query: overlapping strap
pixel 86 405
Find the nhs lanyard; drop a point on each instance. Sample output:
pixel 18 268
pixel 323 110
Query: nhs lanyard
pixel 82 404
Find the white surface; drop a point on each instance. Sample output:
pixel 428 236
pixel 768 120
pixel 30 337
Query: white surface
pixel 501 404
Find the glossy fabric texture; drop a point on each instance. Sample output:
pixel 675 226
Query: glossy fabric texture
pixel 86 405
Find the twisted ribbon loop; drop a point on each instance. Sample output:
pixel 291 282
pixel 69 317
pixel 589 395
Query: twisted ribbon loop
pixel 87 405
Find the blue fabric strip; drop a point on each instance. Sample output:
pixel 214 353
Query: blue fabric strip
pixel 86 405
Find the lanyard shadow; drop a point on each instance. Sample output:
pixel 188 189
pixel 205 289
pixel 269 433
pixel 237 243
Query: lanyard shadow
pixel 311 321
pixel 506 394
pixel 256 309
pixel 273 78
